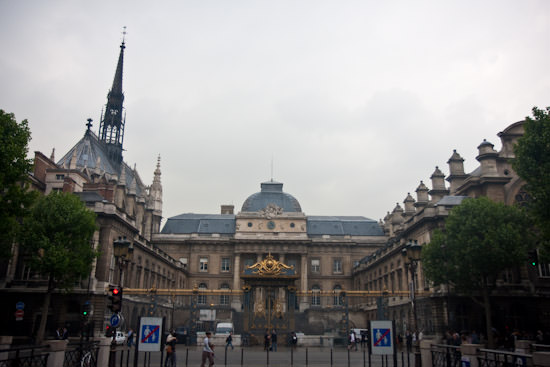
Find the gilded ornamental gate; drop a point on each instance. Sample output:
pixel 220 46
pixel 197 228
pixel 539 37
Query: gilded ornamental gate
pixel 269 296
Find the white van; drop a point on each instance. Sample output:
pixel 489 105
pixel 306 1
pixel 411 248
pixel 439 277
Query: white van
pixel 224 328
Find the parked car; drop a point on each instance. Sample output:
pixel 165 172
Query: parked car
pixel 120 338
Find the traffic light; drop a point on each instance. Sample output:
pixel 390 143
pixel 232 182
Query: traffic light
pixel 108 331
pixel 533 258
pixel 86 309
pixel 115 298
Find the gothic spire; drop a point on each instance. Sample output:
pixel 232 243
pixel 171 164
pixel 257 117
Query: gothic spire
pixel 111 129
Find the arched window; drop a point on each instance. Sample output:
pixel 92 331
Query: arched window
pixel 316 295
pixel 202 297
pixel 224 298
pixel 338 300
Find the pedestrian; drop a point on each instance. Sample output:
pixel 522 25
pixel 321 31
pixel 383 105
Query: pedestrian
pixel 65 335
pixel 229 341
pixel 267 338
pixel 171 340
pixel 294 340
pixel 130 338
pixel 352 341
pixel 409 341
pixel 273 340
pixel 59 333
pixel 207 350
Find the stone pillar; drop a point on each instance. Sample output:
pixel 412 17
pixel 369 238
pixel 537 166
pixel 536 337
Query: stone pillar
pixel 236 303
pixel 304 301
pixel 541 359
pixel 57 352
pixel 104 351
pixel 5 343
pixel 469 354
pixel 425 353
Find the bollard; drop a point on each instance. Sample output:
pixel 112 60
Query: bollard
pixel 306 357
pixel 330 357
pixel 291 356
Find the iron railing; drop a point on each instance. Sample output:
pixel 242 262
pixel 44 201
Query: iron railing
pixel 32 356
pixel 445 355
pixel 500 358
pixel 81 355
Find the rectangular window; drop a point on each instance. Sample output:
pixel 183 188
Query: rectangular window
pixel 203 264
pixel 315 265
pixel 225 264
pixel 59 177
pixel 337 266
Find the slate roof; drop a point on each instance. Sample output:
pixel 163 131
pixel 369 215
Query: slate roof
pixel 200 223
pixel 342 226
pixel 271 193
pixel 189 223
pixel 449 200
pixel 88 150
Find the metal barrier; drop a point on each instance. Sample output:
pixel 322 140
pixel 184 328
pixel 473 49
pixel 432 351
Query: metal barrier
pixel 81 355
pixel 445 355
pixel 35 356
pixel 499 358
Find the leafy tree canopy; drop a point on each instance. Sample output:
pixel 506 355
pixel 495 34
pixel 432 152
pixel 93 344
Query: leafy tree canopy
pixel 15 198
pixel 532 163
pixel 481 239
pixel 58 236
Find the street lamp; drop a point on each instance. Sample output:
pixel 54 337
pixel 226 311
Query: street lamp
pixel 123 250
pixel 411 256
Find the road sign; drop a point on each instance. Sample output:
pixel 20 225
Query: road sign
pixel 115 320
pixel 19 305
pixel 19 315
pixel 382 337
pixel 150 334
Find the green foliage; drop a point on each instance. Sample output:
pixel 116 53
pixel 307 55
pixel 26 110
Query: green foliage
pixel 15 199
pixel 532 163
pixel 481 239
pixel 58 236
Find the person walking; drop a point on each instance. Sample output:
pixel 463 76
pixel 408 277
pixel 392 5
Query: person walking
pixel 273 340
pixel 171 340
pixel 229 341
pixel 207 350
pixel 267 339
pixel 130 341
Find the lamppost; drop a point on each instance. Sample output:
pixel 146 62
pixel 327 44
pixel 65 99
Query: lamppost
pixel 123 250
pixel 411 257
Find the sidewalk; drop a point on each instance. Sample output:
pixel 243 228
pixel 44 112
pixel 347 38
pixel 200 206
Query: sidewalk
pixel 284 357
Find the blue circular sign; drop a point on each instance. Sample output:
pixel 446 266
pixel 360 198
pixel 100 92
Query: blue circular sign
pixel 115 320
pixel 19 305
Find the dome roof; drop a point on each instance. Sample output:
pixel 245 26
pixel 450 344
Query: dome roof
pixel 272 193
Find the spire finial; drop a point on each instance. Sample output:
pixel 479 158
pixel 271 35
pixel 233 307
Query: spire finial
pixel 89 124
pixel 124 35
pixel 271 167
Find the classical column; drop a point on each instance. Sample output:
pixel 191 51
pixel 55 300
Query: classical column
pixel 236 303
pixel 304 304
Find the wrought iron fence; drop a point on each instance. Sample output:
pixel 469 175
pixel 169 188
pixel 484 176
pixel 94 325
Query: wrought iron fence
pixel 499 358
pixel 81 355
pixel 35 356
pixel 445 355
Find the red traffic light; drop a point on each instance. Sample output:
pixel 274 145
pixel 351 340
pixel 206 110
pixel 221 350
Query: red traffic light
pixel 115 291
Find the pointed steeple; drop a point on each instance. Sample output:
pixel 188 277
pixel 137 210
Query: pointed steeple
pixel 111 128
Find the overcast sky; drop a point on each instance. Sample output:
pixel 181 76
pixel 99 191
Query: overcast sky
pixel 355 102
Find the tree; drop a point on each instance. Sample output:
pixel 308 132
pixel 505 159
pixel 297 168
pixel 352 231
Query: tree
pixel 58 238
pixel 480 240
pixel 15 198
pixel 532 163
